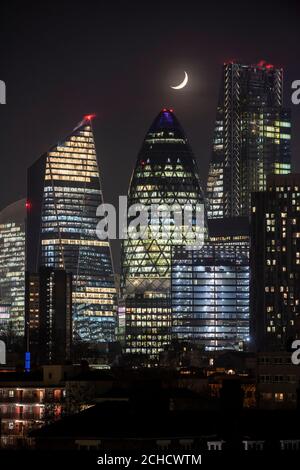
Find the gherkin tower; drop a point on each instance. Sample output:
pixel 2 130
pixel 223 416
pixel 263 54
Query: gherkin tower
pixel 165 174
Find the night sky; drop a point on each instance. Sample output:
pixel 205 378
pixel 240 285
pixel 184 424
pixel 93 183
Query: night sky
pixel 61 60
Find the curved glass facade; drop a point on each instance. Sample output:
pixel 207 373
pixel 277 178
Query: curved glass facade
pixel 165 174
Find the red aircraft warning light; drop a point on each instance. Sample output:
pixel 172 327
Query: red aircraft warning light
pixel 230 62
pixel 89 117
pixel 264 64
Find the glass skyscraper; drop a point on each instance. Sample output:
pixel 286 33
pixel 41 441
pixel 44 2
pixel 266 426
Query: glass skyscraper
pixel 64 192
pixel 251 138
pixel 210 293
pixel 165 174
pixel 12 266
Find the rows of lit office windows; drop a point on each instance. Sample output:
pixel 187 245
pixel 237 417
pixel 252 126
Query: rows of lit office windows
pixel 77 140
pixel 224 304
pixel 219 304
pixel 60 174
pixel 62 191
pixel 72 146
pixel 68 229
pixel 12 271
pixel 56 251
pixel 85 253
pixel 73 150
pixel 91 300
pixel 155 197
pixel 164 140
pixel 157 344
pixel 229 311
pixel 150 339
pixel 208 317
pixel 67 219
pixel 54 208
pixel 79 164
pixel 93 295
pixel 181 269
pixel 147 310
pixel 146 347
pixel 101 316
pixel 51 207
pixel 79 179
pixel 180 196
pixel 167 170
pixel 150 349
pixel 63 169
pixel 219 336
pixel 221 274
pixel 204 279
pixel 66 174
pixel 219 294
pixel 216 328
pixel 150 326
pixel 64 241
pixel 175 173
pixel 154 342
pixel 219 288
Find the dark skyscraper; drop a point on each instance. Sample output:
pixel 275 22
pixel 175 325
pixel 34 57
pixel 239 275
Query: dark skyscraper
pixel 165 174
pixel 275 263
pixel 48 312
pixel 64 192
pixel 251 139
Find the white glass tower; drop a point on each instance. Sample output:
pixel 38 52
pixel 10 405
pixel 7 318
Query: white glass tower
pixel 12 265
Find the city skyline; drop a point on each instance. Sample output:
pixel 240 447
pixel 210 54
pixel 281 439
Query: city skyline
pixel 149 232
pixel 139 82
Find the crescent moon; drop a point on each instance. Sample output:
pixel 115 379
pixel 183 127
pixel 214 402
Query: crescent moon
pixel 182 84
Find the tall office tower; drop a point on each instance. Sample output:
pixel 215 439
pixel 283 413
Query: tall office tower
pixel 4 318
pixel 275 263
pixel 251 139
pixel 165 174
pixel 64 192
pixel 210 289
pixel 48 314
pixel 12 264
